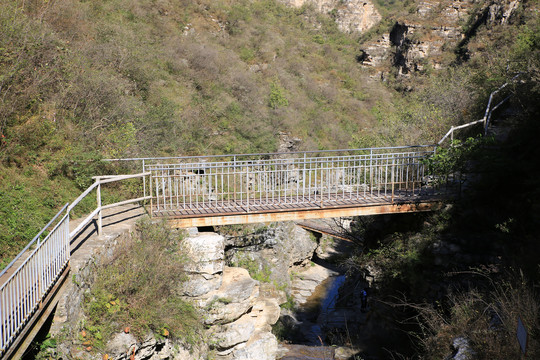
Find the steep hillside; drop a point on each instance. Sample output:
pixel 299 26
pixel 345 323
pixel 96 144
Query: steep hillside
pixel 85 80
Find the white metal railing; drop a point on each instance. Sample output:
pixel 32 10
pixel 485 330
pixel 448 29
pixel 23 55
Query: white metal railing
pixel 98 181
pixel 255 184
pixel 487 115
pixel 22 293
pixel 41 266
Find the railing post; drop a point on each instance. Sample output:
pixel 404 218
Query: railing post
pixel 247 186
pixel 393 164
pixel 452 134
pixel 100 218
pixel 234 179
pixel 144 183
pixel 152 198
pixel 371 171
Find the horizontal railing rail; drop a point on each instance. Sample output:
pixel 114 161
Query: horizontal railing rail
pixel 252 185
pixel 486 120
pixel 98 181
pixel 150 160
pixel 30 282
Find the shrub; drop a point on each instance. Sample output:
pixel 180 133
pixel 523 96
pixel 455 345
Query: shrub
pixel 278 96
pixel 259 272
pixel 488 319
pixel 139 288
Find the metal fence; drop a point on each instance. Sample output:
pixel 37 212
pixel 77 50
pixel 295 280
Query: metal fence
pixel 22 293
pixel 263 183
pixel 39 265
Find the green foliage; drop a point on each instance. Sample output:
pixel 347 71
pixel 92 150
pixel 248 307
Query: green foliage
pixel 455 158
pixel 277 96
pixel 27 202
pixel 487 318
pixel 47 348
pixel 121 138
pixel 257 271
pixel 289 304
pixel 141 291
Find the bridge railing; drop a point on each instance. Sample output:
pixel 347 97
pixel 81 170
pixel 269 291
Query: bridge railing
pixel 255 184
pixel 28 278
pixel 490 108
pixel 36 274
pixel 98 182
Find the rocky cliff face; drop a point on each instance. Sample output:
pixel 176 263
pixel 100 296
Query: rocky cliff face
pixel 350 15
pixel 420 39
pixel 238 310
pixel 278 247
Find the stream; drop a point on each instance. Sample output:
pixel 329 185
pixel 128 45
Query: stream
pixel 307 340
pixel 331 325
pixel 316 313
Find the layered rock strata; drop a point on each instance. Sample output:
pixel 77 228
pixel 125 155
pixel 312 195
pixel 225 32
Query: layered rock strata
pixel 238 310
pixel 351 16
pixel 420 39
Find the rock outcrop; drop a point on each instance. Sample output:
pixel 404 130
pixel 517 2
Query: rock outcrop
pixel 240 311
pixel 351 16
pixel 278 247
pixel 417 41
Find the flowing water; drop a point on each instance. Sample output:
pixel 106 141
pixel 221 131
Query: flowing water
pixel 312 318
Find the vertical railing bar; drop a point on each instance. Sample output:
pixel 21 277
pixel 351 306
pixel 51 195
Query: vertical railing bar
pixel 100 217
pixel 151 196
pixel 385 175
pixel 169 183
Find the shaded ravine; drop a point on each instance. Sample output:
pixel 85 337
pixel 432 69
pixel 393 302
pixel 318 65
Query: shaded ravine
pixel 306 339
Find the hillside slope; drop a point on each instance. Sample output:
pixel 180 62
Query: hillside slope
pixel 81 81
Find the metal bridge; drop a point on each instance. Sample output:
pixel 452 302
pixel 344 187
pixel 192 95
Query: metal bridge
pixel 219 190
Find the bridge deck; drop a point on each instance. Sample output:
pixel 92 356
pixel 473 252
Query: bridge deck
pixel 237 212
pixel 235 207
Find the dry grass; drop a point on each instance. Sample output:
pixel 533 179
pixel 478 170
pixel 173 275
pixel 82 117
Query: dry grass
pixel 488 319
pixel 140 288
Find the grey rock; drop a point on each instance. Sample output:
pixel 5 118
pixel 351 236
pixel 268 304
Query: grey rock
pixel 120 343
pixel 261 346
pixel 463 349
pixel 201 284
pixel 206 252
pixel 233 299
pixel 237 332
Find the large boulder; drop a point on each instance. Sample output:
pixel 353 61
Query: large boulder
pixel 229 335
pixel 277 247
pixel 206 251
pixel 261 346
pixel 305 282
pixel 120 343
pixel 234 298
pixel 200 284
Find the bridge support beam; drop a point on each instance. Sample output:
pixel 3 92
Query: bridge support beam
pixel 232 219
